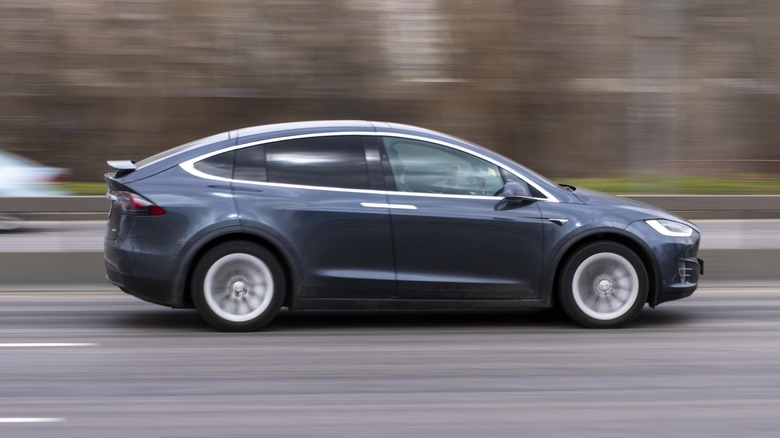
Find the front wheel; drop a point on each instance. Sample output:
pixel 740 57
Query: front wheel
pixel 238 286
pixel 603 285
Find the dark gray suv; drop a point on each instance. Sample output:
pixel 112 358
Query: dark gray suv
pixel 373 215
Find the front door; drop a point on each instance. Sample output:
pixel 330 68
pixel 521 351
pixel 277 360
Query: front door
pixel 453 237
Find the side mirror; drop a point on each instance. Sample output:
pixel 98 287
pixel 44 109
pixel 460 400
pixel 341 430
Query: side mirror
pixel 515 190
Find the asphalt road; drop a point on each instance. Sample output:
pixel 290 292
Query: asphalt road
pixel 78 364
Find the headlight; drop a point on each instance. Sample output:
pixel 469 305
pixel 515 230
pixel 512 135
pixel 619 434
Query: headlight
pixel 670 228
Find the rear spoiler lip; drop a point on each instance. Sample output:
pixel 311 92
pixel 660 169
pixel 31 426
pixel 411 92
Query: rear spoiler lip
pixel 112 182
pixel 122 164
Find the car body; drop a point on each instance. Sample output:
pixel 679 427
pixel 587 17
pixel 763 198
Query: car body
pixel 376 215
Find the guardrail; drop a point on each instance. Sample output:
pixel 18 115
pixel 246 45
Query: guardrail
pixel 687 206
pixel 56 207
pixel 76 269
pixel 716 206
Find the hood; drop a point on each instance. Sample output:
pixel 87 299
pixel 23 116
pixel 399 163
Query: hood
pixel 641 210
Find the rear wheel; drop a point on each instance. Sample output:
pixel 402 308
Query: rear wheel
pixel 238 286
pixel 603 284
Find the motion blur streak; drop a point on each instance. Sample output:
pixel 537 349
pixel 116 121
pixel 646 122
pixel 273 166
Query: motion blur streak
pixel 571 88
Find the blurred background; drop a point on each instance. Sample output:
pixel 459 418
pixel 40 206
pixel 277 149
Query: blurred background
pixel 575 89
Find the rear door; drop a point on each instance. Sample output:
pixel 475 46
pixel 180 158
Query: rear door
pixel 315 195
pixel 453 238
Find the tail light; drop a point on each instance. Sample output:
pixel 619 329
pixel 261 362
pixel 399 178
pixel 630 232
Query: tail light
pixel 56 179
pixel 133 203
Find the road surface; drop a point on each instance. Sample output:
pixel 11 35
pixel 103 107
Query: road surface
pixel 100 363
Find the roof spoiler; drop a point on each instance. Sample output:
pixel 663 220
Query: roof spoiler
pixel 123 167
pixel 122 164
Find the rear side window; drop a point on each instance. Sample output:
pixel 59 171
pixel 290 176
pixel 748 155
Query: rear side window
pixel 219 165
pixel 338 161
pixel 250 164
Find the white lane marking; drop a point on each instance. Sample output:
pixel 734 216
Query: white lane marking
pixel 31 420
pixel 45 344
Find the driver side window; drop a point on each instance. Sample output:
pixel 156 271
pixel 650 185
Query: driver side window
pixel 424 167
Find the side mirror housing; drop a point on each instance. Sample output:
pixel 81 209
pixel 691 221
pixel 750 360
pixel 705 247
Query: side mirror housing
pixel 515 190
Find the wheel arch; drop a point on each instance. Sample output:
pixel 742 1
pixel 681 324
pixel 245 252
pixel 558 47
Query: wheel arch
pixel 183 281
pixel 605 235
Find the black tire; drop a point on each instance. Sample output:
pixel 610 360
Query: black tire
pixel 238 286
pixel 603 285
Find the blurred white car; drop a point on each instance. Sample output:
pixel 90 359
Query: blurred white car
pixel 20 176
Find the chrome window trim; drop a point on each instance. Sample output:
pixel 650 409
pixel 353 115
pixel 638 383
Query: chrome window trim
pixel 388 206
pixel 189 167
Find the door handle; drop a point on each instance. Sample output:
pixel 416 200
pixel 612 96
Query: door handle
pixel 388 206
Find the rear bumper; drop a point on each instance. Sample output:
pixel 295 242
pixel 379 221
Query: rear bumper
pixel 126 259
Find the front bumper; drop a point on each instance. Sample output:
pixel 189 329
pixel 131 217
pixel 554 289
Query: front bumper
pixel 676 263
pixel 684 284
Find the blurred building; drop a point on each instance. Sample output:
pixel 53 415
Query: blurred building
pixel 572 88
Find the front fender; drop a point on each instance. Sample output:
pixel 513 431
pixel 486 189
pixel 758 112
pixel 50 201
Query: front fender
pixel 565 246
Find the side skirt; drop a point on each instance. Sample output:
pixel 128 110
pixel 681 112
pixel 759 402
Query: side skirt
pixel 396 304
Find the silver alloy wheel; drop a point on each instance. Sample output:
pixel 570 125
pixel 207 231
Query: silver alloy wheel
pixel 605 286
pixel 238 287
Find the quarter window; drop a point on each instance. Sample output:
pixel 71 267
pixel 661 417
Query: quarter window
pixel 430 168
pixel 219 165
